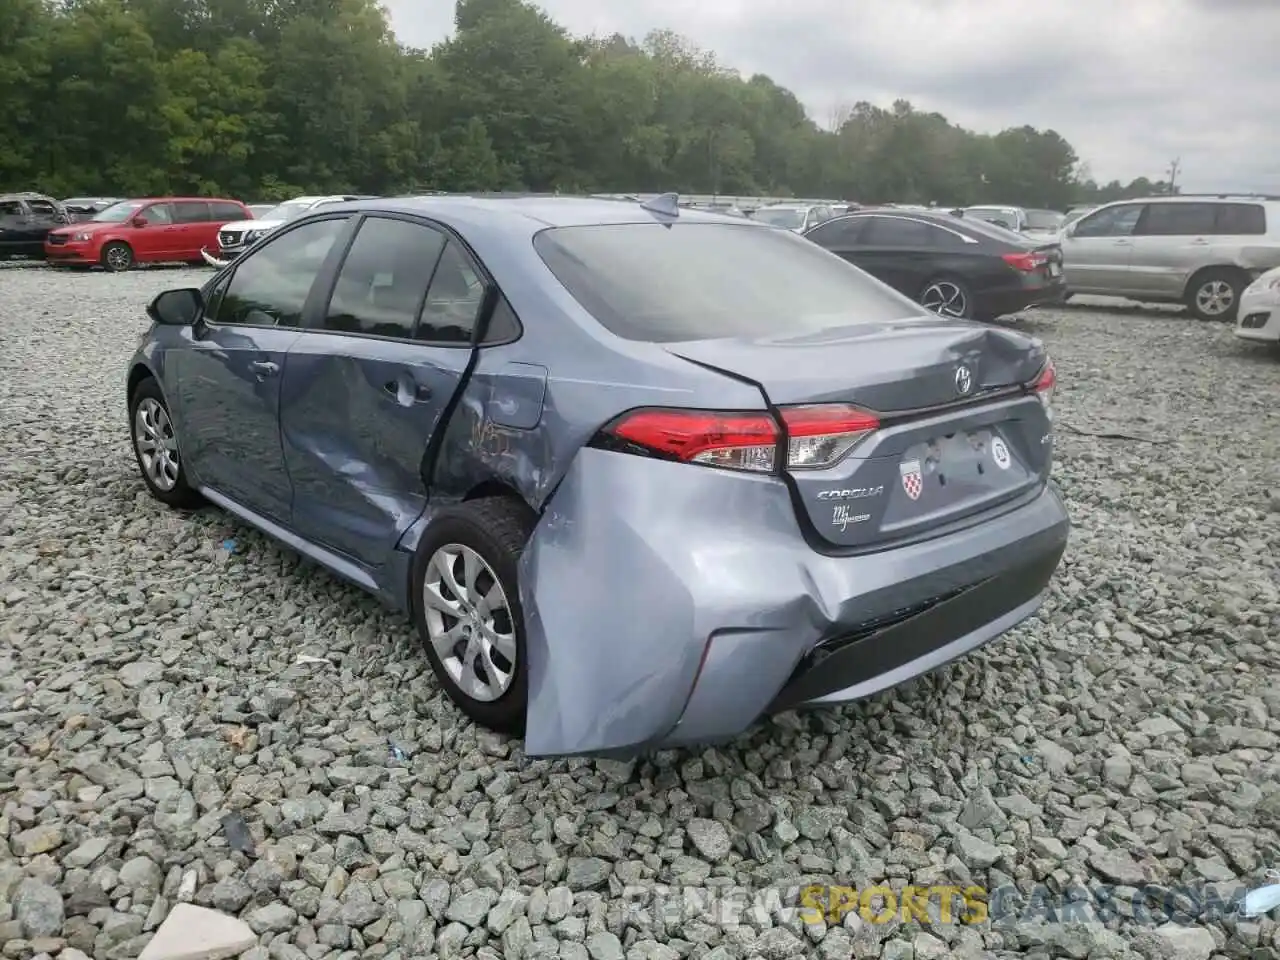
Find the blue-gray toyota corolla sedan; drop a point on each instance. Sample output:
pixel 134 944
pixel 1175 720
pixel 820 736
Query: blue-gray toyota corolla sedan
pixel 639 475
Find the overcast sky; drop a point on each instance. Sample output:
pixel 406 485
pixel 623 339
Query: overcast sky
pixel 1132 84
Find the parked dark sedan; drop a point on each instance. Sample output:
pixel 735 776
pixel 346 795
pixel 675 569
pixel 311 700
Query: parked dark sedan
pixel 25 220
pixel 958 267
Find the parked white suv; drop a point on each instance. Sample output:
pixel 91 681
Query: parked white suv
pixel 235 238
pixel 1202 251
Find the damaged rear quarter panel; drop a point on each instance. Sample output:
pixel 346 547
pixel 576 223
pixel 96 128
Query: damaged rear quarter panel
pixel 628 574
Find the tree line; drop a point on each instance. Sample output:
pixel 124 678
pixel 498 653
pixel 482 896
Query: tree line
pixel 267 99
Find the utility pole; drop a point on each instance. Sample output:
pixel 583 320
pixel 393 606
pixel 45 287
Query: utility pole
pixel 1173 174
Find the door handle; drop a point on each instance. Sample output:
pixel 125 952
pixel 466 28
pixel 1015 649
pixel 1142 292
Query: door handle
pixel 407 392
pixel 264 368
pixel 1123 243
pixel 1199 242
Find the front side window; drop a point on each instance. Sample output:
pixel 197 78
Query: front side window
pixel 158 214
pixel 838 234
pixel 699 281
pixel 383 280
pixel 43 208
pixel 270 286
pixel 1111 222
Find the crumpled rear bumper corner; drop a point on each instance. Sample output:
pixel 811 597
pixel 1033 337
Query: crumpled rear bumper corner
pixel 669 605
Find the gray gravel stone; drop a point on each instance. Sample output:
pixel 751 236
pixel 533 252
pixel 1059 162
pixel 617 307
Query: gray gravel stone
pixel 38 909
pixel 150 685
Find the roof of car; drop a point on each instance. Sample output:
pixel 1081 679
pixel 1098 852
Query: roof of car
pixel 179 200
pixel 525 213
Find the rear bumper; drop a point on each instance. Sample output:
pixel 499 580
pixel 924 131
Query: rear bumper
pixel 707 610
pixel 1031 293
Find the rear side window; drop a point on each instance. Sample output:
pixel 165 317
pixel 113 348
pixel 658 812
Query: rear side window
pixel 1241 219
pixel 383 280
pixel 453 300
pixel 191 212
pixel 1177 220
pixel 699 281
pixel 226 212
pixel 899 232
pixel 11 208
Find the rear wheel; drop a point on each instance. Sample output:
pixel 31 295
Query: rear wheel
pixel 1215 294
pixel 947 297
pixel 466 607
pixel 117 256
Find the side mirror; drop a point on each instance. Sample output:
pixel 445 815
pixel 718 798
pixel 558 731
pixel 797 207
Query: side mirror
pixel 138 222
pixel 177 308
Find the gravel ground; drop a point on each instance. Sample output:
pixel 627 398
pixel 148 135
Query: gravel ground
pixel 152 704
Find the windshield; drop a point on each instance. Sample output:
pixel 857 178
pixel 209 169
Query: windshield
pixel 1075 215
pixel 288 210
pixel 700 281
pixel 1044 220
pixel 118 212
pixel 787 217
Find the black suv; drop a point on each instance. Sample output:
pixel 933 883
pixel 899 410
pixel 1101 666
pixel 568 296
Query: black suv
pixel 25 219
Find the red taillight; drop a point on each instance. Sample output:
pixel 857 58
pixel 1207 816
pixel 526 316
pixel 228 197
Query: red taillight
pixel 818 435
pixel 737 441
pixel 1044 384
pixel 821 434
pixel 1026 262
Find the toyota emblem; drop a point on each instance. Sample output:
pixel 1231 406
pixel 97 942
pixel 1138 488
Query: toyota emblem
pixel 964 380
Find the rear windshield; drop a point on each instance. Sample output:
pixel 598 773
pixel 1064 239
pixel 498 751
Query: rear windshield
pixel 703 281
pixel 1044 219
pixel 979 226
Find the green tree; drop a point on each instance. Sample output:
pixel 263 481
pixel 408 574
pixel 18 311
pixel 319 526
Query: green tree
pixel 264 99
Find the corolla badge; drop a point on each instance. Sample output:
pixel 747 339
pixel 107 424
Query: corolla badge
pixel 964 380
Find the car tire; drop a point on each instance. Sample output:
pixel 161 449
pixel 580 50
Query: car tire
pixel 1214 295
pixel 117 256
pixel 155 447
pixel 489 533
pixel 947 290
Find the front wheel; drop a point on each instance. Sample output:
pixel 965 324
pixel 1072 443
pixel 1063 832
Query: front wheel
pixel 948 298
pixel 117 256
pixel 466 608
pixel 155 446
pixel 1215 295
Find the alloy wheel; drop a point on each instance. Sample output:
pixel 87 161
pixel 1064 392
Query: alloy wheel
pixel 118 258
pixel 469 622
pixel 1215 298
pixel 157 446
pixel 945 298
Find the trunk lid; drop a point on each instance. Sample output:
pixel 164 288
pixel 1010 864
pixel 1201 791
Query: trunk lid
pixel 960 434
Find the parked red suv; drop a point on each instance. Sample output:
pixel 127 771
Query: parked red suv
pixel 153 230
